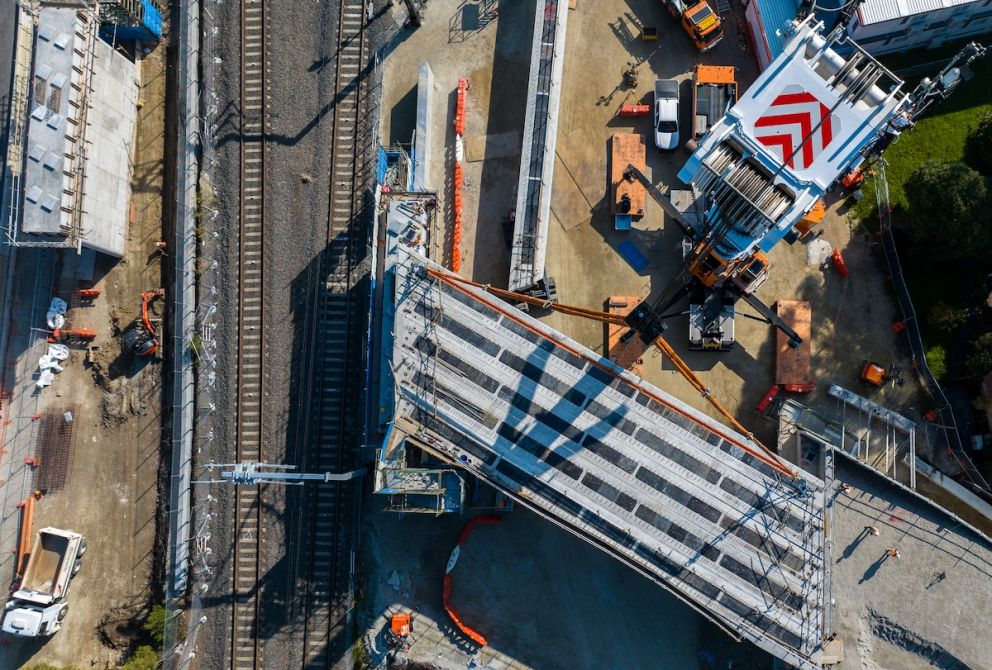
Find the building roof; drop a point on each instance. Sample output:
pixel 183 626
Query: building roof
pixel 775 15
pixel 110 138
pixel 56 107
pixel 877 11
pixel 627 467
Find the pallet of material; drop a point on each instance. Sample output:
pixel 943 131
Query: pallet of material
pixel 629 354
pixel 627 149
pixel 794 366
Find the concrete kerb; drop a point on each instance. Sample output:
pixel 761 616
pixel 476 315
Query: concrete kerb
pixel 186 36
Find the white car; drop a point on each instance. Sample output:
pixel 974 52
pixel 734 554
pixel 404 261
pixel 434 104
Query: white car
pixel 666 114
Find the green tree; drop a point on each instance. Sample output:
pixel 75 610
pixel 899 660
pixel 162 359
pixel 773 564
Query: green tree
pixel 945 317
pixel 978 147
pixel 937 361
pixel 947 211
pixel 980 361
pixel 155 625
pixel 143 658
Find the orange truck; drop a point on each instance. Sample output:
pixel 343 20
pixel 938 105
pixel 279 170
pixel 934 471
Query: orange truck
pixel 714 92
pixel 699 21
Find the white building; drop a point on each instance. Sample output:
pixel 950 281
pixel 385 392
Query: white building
pixel 879 26
pixel 886 26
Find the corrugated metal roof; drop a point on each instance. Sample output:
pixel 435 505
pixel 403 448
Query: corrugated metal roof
pixel 774 16
pixel 877 11
pixel 631 469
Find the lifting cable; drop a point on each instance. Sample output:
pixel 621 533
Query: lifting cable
pixel 769 457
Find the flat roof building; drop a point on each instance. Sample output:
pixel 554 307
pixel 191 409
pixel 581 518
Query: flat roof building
pixel 72 187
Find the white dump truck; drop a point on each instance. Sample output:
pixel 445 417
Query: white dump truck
pixel 38 606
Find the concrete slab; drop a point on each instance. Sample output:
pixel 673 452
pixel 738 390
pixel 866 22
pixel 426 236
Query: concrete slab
pixel 533 413
pixel 113 117
pixel 488 147
pixel 571 207
pixel 922 609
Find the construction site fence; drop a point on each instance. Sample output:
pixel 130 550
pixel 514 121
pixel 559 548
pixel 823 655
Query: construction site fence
pixel 185 45
pixel 911 325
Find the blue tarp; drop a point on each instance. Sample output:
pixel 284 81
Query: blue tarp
pixel 633 255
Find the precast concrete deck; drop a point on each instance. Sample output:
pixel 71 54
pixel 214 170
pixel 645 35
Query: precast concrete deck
pixel 537 154
pixel 625 466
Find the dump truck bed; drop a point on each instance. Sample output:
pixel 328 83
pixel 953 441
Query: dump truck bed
pixel 793 367
pixel 715 92
pixel 45 564
pixel 627 149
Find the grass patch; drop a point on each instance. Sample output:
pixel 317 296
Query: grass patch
pixel 940 135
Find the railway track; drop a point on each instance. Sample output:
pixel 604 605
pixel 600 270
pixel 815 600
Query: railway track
pixel 247 568
pixel 329 560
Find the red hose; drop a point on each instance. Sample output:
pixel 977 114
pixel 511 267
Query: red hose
pixel 471 633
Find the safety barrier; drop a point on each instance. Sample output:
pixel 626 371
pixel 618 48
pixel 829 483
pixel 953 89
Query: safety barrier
pixel 456 232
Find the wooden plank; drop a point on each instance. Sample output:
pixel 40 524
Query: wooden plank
pixel 794 367
pixel 625 149
pixel 630 354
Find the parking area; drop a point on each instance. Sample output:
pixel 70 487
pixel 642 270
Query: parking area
pixel 537 592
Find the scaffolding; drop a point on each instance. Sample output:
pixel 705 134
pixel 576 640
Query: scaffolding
pixel 49 94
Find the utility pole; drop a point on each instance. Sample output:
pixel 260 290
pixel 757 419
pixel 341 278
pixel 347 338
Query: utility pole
pixel 416 14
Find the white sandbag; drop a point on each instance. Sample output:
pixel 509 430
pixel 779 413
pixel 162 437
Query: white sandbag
pixel 45 379
pixel 59 352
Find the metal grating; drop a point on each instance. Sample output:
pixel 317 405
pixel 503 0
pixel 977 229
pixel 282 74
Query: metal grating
pixel 655 483
pixel 56 446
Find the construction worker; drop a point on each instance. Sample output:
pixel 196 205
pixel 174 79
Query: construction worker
pixel 894 552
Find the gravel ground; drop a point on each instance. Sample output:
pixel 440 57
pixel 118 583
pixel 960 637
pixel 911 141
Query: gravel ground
pixel 217 305
pixel 301 39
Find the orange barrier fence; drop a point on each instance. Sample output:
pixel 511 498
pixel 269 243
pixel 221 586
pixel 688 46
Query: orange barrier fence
pixel 471 633
pixel 456 232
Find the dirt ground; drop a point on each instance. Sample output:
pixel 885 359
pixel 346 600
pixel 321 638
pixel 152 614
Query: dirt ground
pixel 111 494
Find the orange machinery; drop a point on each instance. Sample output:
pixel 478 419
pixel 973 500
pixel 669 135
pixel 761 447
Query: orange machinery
pixel 699 21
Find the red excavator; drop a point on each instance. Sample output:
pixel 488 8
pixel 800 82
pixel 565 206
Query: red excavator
pixel 141 337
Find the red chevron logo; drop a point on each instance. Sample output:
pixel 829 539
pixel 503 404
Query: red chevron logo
pixel 797 127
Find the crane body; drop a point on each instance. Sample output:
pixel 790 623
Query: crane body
pixel 809 119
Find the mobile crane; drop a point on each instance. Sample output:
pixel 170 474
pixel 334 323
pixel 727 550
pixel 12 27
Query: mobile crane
pixel 698 19
pixel 809 119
